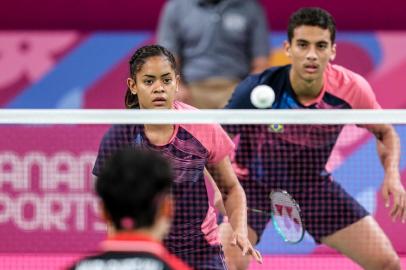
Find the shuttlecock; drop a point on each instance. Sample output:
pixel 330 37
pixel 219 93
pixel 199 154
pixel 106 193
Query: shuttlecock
pixel 262 96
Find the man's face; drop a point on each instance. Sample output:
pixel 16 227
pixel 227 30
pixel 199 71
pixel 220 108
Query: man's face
pixel 310 50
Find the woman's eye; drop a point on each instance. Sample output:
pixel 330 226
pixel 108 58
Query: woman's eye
pixel 148 82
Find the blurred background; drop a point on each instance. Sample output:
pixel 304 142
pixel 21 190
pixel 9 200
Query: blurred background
pixel 74 54
pixel 56 54
pixel 143 15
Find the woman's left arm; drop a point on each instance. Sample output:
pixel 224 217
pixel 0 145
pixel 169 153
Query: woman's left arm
pixel 235 204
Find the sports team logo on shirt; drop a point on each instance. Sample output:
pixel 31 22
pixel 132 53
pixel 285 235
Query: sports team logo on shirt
pixel 277 128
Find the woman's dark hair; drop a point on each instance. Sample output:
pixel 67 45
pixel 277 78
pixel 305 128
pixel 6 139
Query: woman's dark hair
pixel 312 17
pixel 131 185
pixel 138 60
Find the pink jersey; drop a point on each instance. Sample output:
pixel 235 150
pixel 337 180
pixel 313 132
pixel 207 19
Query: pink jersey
pixel 270 149
pixel 211 136
pixel 350 87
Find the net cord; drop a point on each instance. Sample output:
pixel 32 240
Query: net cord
pixel 117 116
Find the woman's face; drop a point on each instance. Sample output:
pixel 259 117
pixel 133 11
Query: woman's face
pixel 155 84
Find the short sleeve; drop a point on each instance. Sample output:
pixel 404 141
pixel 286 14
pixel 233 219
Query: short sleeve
pixel 116 138
pixel 364 96
pixel 213 138
pixel 351 87
pixel 220 146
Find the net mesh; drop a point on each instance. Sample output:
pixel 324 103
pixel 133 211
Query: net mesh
pixel 49 214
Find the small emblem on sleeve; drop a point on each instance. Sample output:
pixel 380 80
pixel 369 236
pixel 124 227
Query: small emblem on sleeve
pixel 277 128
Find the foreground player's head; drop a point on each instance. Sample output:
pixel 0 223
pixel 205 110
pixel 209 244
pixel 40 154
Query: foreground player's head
pixel 134 187
pixel 311 42
pixel 153 79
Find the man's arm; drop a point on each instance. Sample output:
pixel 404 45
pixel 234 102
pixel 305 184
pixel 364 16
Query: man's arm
pixel 388 147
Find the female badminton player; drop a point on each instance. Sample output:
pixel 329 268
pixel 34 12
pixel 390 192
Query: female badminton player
pixel 152 85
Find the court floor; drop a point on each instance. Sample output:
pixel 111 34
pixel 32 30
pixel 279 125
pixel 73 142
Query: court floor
pixel 312 262
pixel 61 261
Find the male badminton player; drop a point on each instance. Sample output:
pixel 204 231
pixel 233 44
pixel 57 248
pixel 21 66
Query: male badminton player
pixel 294 157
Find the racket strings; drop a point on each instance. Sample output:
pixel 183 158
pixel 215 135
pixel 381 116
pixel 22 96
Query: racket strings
pixel 286 217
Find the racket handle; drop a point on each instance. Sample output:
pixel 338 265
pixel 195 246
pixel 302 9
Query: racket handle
pixel 260 211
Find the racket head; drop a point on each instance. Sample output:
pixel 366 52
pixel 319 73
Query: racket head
pixel 286 216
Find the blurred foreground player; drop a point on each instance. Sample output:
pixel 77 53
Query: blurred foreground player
pixel 134 188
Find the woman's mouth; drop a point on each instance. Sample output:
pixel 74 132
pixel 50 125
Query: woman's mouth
pixel 159 101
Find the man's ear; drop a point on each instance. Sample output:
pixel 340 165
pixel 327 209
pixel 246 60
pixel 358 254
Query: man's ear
pixel 333 52
pixel 166 209
pixel 287 48
pixel 104 215
pixel 132 86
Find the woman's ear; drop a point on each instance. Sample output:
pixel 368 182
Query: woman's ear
pixel 177 83
pixel 132 86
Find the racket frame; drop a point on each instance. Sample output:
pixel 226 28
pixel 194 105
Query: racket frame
pixel 275 224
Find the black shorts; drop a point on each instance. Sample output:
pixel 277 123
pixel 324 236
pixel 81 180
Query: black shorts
pixel 325 206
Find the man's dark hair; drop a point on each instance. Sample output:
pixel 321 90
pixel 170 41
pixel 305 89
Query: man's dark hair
pixel 312 17
pixel 131 185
